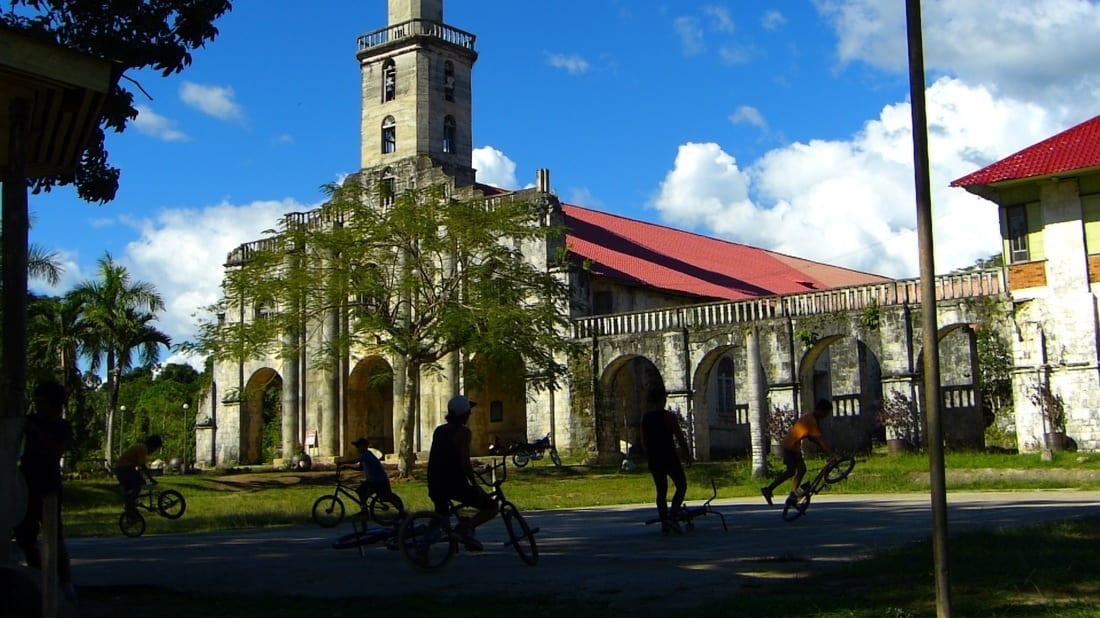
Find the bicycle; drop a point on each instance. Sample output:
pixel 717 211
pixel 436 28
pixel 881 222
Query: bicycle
pixel 687 514
pixel 168 503
pixel 328 510
pixel 362 535
pixel 428 540
pixel 834 471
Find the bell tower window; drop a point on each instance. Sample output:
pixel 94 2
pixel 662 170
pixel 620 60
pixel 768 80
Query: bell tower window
pixel 449 134
pixel 389 187
pixel 389 81
pixel 449 80
pixel 389 135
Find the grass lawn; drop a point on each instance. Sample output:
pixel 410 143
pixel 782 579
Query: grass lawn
pixel 1043 571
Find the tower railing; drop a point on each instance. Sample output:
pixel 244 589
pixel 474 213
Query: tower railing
pixel 415 28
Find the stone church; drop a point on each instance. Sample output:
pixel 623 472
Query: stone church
pixel 655 305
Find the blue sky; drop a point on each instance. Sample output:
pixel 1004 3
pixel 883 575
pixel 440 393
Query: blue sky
pixel 783 125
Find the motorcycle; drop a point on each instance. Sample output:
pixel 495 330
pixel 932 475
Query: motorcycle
pixel 524 452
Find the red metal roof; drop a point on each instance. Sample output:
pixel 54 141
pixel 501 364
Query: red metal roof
pixel 1073 149
pixel 683 262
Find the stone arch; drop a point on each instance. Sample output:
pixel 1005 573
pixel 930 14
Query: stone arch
pixel 720 401
pixel 847 372
pixel 499 388
pixel 369 409
pixel 623 387
pixel 261 418
pixel 960 388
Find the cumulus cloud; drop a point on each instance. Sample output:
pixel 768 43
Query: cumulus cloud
pixel 573 64
pixel 152 123
pixel 216 101
pixel 494 168
pixel 851 202
pixel 747 114
pixel 183 250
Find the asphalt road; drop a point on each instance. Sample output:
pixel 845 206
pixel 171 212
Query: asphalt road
pixel 608 553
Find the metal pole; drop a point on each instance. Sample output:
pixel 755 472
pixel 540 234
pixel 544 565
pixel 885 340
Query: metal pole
pixel 929 327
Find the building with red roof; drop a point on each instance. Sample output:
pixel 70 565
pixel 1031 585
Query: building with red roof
pixel 1048 198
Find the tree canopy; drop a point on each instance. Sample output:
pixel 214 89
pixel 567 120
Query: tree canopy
pixel 420 278
pixel 157 34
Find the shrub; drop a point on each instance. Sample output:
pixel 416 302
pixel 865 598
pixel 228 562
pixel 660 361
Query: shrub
pixel 1051 406
pixel 779 422
pixel 896 416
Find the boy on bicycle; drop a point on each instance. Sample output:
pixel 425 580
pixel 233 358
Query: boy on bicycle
pixel 806 427
pixel 131 469
pixel 451 475
pixel 376 480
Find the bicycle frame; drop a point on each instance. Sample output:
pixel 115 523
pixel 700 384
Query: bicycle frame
pixel 832 472
pixel 687 514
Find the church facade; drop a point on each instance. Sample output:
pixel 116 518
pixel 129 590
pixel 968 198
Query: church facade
pixel 725 378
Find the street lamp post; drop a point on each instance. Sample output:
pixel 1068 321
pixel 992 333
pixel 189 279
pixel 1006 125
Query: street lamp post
pixel 183 469
pixel 121 425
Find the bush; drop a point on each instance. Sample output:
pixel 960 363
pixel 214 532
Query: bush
pixel 779 422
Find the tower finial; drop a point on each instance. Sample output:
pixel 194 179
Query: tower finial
pixel 401 11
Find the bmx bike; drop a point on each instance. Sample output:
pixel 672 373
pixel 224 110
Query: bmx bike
pixel 686 514
pixel 428 539
pixel 328 510
pixel 167 503
pixel 834 471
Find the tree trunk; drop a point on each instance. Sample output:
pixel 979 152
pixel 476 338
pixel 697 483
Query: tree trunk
pixel 406 403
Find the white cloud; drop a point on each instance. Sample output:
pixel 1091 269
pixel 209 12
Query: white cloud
pixel 574 64
pixel 152 123
pixel 691 35
pixel 719 18
pixel 747 114
pixel 494 168
pixel 852 202
pixel 773 20
pixel 182 250
pixel 216 101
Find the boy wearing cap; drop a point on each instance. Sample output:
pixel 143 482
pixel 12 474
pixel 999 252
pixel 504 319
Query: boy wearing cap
pixel 451 475
pixel 375 478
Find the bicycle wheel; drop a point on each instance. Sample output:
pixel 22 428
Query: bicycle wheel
pixel 554 457
pixel 792 512
pixel 328 511
pixel 521 458
pixel 840 470
pixel 171 504
pixel 131 523
pixel 520 534
pixel 426 541
pixel 387 510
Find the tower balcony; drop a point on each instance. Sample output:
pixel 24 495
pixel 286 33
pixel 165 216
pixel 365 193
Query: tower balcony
pixel 416 28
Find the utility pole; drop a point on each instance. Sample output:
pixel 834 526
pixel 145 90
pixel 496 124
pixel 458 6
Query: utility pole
pixel 929 328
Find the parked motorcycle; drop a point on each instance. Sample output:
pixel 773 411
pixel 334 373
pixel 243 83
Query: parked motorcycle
pixel 524 452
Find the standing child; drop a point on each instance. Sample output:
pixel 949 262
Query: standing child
pixel 661 434
pixel 806 427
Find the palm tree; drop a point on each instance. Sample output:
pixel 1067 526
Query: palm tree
pixel 118 312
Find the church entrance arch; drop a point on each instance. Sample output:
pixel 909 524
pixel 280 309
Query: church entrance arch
pixel 261 418
pixel 369 410
pixel 624 387
pixel 499 388
pixel 719 378
pixel 847 372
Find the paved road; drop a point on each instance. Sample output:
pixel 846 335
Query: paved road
pixel 608 553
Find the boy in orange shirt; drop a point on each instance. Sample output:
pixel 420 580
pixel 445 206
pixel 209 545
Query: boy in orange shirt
pixel 804 428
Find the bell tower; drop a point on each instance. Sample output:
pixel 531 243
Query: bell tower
pixel 416 92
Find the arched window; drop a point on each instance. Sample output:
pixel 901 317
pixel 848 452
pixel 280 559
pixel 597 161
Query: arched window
pixel 389 81
pixel 389 135
pixel 449 80
pixel 449 134
pixel 389 186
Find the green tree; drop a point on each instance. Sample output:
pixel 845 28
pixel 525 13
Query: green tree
pixel 157 34
pixel 427 276
pixel 118 312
